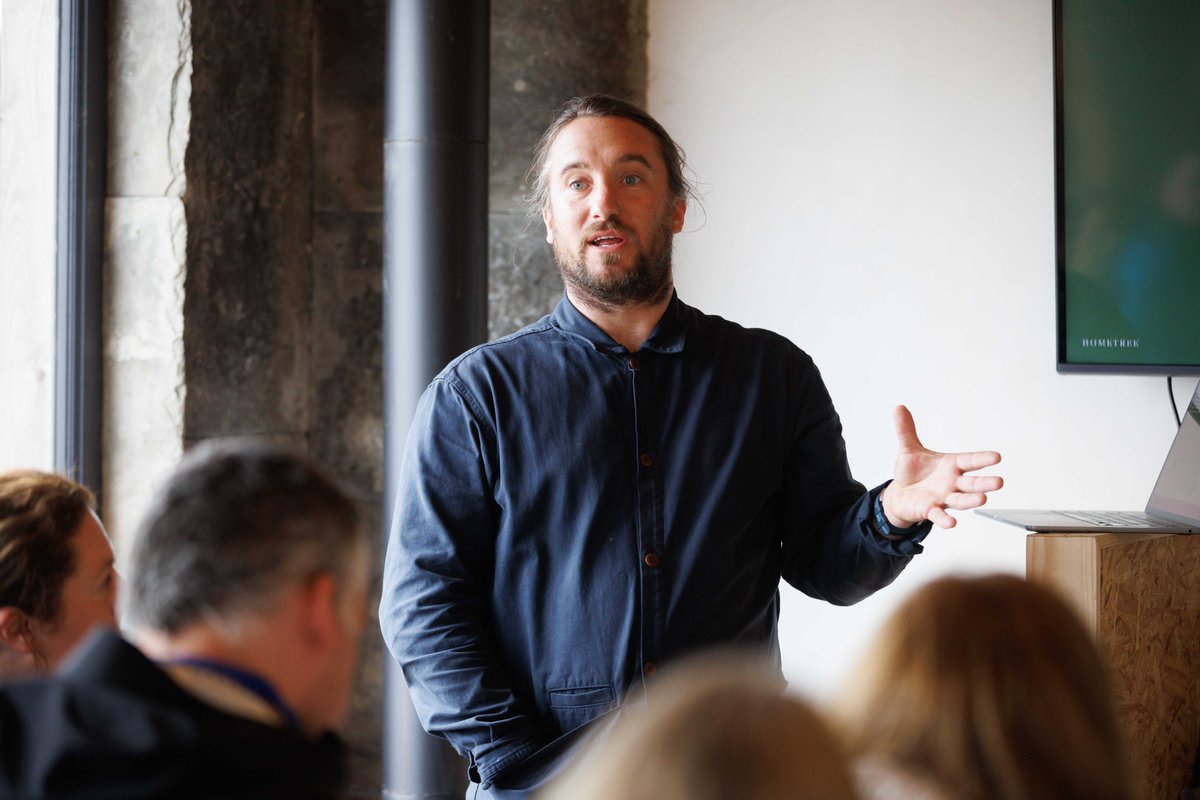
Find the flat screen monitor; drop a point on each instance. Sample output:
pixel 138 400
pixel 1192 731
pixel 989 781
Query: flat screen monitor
pixel 1127 142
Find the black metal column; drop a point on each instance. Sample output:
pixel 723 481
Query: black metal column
pixel 435 280
pixel 82 155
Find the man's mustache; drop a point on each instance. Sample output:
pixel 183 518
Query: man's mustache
pixel 610 225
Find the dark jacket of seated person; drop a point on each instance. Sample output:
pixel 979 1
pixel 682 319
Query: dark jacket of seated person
pixel 114 724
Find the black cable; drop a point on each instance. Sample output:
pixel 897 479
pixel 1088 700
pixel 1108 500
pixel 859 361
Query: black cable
pixel 1174 408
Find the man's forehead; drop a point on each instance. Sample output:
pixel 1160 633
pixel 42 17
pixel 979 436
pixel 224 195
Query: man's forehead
pixel 586 139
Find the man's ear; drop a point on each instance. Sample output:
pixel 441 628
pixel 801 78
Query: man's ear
pixel 318 603
pixel 14 630
pixel 677 215
pixel 548 220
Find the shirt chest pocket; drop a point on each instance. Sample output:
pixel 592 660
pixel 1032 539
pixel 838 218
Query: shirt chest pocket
pixel 578 706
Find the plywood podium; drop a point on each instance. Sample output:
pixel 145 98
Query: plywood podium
pixel 1139 594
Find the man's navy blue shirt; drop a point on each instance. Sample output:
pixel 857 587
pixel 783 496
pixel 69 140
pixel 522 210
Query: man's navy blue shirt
pixel 571 515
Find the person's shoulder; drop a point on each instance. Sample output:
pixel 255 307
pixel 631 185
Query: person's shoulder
pixel 514 346
pixel 22 700
pixel 103 661
pixel 59 721
pixel 715 330
pixel 158 739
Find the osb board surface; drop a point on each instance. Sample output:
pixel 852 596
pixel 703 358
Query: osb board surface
pixel 1149 624
pixel 1140 594
pixel 1069 563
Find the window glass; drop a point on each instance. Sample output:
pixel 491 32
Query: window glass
pixel 28 104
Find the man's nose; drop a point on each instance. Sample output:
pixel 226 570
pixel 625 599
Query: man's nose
pixel 603 201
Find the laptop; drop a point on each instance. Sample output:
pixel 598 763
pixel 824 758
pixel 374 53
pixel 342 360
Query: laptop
pixel 1173 507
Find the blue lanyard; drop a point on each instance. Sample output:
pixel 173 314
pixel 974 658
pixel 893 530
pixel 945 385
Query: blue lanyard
pixel 248 681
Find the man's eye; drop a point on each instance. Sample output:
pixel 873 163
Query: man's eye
pixel 632 180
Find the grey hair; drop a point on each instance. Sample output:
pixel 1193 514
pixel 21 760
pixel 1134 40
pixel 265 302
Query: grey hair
pixel 602 105
pixel 235 524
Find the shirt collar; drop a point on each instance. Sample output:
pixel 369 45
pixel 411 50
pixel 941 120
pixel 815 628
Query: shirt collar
pixel 668 336
pixel 231 689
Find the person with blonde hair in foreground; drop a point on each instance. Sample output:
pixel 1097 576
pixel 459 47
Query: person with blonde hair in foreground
pixel 713 728
pixel 57 579
pixel 984 687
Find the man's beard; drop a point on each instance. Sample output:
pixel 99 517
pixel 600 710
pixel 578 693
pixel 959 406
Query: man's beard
pixel 647 279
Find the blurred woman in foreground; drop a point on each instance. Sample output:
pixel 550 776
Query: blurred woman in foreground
pixel 984 688
pixel 712 729
pixel 57 579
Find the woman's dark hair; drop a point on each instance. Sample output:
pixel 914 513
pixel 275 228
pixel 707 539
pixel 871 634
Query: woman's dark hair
pixel 39 513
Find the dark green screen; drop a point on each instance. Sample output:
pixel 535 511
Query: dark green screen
pixel 1129 117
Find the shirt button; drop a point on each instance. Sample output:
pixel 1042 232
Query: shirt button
pixel 648 669
pixel 652 559
pixel 635 362
pixel 646 460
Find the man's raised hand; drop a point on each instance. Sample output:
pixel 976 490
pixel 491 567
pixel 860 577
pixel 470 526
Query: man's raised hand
pixel 927 483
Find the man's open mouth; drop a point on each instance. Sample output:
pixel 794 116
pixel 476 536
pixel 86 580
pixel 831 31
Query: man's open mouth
pixel 606 240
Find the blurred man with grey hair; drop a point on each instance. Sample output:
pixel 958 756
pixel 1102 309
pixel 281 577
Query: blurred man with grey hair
pixel 246 599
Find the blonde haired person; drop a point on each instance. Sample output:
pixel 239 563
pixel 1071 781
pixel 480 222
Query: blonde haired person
pixel 984 687
pixel 711 729
pixel 57 579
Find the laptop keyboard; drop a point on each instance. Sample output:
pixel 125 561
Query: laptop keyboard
pixel 1114 519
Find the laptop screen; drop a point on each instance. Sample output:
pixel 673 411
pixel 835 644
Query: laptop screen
pixel 1176 495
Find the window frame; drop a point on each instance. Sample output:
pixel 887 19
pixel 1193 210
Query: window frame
pixel 79 269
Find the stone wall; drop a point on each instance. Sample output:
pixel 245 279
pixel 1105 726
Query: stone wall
pixel 276 254
pixel 248 295
pixel 346 336
pixel 150 62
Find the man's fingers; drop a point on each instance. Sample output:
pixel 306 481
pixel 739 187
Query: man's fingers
pixel 979 459
pixel 939 517
pixel 906 429
pixel 978 483
pixel 962 501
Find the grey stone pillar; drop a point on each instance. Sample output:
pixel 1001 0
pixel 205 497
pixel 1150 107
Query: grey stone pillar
pixel 346 331
pixel 247 311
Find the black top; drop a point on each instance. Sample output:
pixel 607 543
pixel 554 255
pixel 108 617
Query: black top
pixel 112 724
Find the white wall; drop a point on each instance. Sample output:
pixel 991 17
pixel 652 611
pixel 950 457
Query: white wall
pixel 878 186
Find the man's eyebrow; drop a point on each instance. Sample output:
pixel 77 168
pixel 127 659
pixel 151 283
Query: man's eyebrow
pixel 635 157
pixel 639 158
